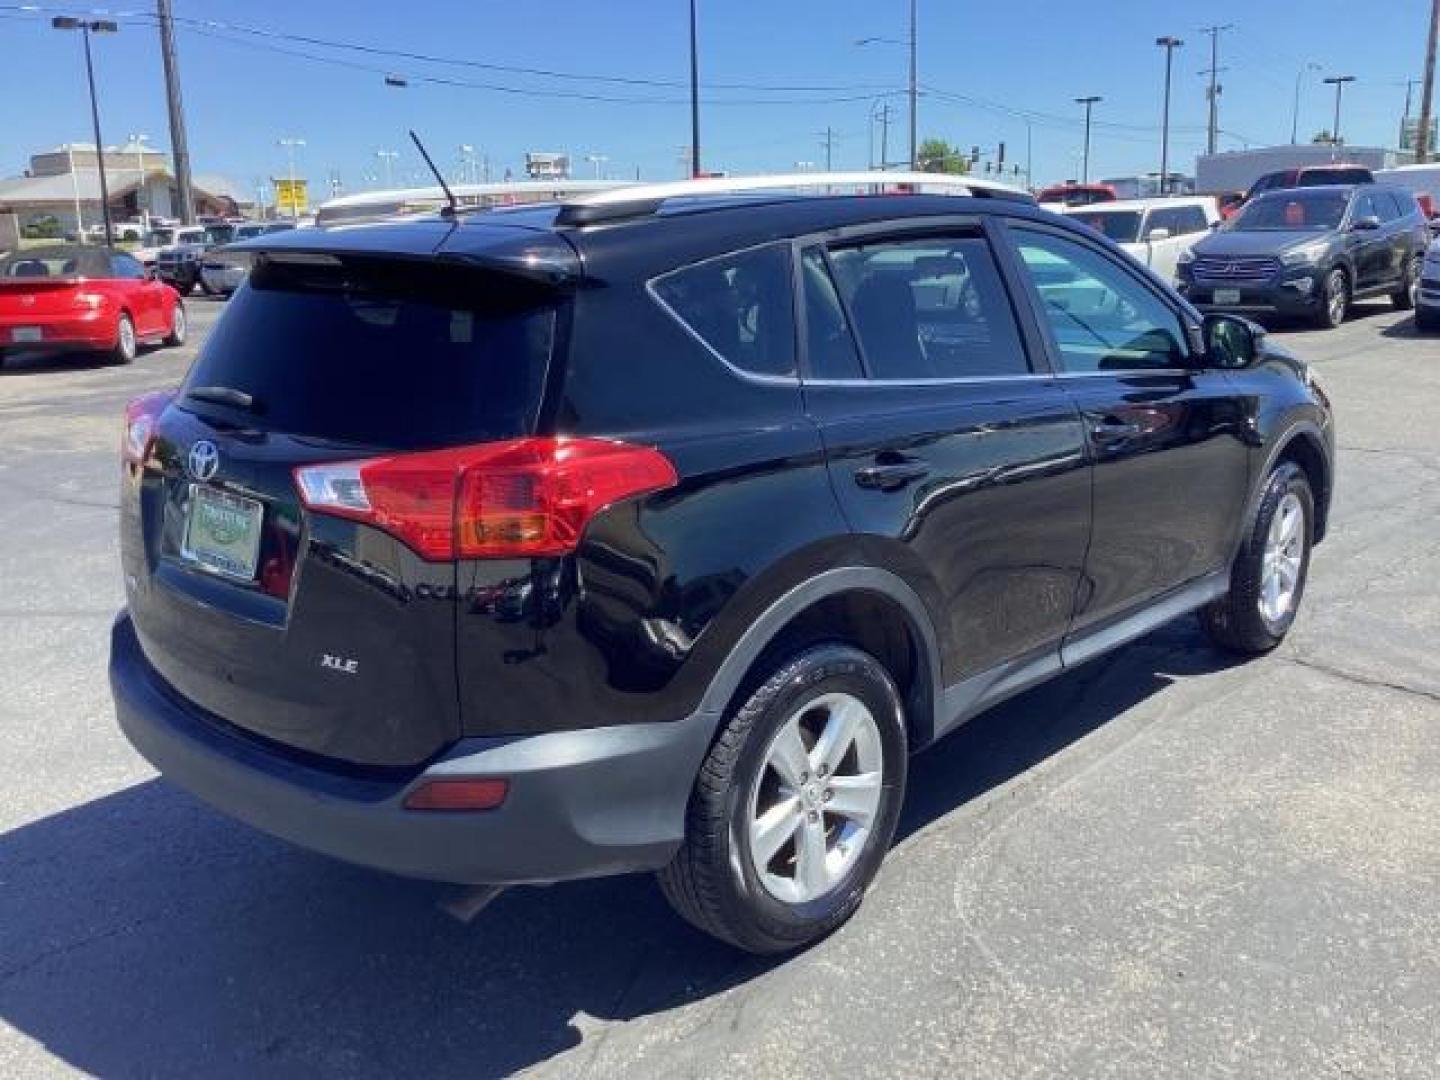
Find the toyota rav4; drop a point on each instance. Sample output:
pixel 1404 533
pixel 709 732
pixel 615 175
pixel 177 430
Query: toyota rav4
pixel 656 529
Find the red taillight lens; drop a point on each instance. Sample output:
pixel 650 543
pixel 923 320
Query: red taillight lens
pixel 518 498
pixel 458 793
pixel 140 417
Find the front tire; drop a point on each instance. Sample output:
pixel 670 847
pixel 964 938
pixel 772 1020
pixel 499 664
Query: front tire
pixel 1268 578
pixel 126 344
pixel 1334 300
pixel 179 326
pixel 795 805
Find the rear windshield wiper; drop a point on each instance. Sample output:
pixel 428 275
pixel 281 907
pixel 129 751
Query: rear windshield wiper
pixel 226 395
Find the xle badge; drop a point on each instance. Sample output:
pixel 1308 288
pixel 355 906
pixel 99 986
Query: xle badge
pixel 340 664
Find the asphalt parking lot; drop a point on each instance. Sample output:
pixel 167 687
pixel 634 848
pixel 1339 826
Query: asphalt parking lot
pixel 1163 864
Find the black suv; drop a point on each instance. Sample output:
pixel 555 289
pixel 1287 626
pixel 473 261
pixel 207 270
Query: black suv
pixel 654 531
pixel 1310 252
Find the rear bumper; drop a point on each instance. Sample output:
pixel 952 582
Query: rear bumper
pixel 83 330
pixel 581 803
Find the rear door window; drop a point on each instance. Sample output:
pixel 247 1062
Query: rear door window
pixel 741 306
pixel 930 309
pixel 380 353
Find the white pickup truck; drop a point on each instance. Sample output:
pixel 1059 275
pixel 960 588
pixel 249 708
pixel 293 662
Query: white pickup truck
pixel 1154 231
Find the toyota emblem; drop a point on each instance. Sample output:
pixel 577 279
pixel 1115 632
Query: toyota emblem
pixel 204 460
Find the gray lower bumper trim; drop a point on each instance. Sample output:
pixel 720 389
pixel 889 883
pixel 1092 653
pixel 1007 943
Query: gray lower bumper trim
pixel 581 803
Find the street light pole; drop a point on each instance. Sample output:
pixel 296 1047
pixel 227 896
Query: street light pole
pixel 914 88
pixel 1169 44
pixel 1295 114
pixel 1338 81
pixel 388 157
pixel 1089 103
pixel 694 96
pixel 1423 149
pixel 99 26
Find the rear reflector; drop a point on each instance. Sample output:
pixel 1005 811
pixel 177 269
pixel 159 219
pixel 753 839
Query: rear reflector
pixel 511 499
pixel 140 416
pixel 460 793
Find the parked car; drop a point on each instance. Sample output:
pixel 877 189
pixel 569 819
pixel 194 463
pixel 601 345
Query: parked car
pixel 654 530
pixel 1310 252
pixel 179 264
pixel 1310 176
pixel 161 237
pixel 222 271
pixel 1076 194
pixel 1154 231
pixel 70 297
pixel 1427 299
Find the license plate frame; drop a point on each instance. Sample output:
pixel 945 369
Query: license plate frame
pixel 26 335
pixel 1225 296
pixel 236 557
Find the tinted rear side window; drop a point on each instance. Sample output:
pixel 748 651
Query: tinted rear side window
pixel 741 306
pixel 402 357
pixel 930 309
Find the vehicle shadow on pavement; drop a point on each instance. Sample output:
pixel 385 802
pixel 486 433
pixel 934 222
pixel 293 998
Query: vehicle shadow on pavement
pixel 144 934
pixel 42 364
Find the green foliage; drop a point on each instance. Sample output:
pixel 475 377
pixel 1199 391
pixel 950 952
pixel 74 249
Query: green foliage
pixel 938 156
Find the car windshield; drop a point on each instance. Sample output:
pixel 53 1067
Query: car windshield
pixel 1122 226
pixel 159 237
pixel 244 232
pixel 218 234
pixel 1292 211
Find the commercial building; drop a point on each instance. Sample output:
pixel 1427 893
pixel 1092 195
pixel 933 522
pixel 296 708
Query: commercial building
pixel 63 184
pixel 1236 170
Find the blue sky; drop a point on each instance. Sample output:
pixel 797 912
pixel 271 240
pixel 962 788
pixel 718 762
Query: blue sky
pixel 986 64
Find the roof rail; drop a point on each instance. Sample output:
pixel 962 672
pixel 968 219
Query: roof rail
pixel 639 200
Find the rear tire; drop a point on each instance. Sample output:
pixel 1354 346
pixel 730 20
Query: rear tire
pixel 770 864
pixel 126 344
pixel 1267 581
pixel 1334 300
pixel 1404 299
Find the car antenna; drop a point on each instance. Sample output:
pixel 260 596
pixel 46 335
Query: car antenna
pixel 452 208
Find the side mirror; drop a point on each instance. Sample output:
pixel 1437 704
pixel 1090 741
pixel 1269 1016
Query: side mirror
pixel 1154 236
pixel 1369 223
pixel 1230 341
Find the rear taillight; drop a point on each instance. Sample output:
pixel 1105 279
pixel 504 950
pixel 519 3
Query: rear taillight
pixel 518 498
pixel 140 416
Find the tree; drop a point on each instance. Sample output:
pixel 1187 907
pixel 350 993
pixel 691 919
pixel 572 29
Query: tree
pixel 938 156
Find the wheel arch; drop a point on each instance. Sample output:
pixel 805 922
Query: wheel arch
pixel 1303 445
pixel 867 606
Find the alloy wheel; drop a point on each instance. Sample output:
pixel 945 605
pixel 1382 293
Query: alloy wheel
pixel 1335 297
pixel 815 798
pixel 126 338
pixel 1284 554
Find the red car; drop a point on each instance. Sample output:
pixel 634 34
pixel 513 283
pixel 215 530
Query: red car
pixel 70 298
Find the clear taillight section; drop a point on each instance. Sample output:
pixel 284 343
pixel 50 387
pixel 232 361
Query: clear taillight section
pixel 517 498
pixel 140 416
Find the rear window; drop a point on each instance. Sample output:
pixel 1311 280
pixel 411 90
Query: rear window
pixel 1322 177
pixel 741 306
pixel 382 354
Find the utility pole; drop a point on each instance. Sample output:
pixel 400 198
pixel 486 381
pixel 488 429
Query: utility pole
pixel 885 137
pixel 1169 44
pixel 179 144
pixel 828 142
pixel 1213 71
pixel 694 97
pixel 1423 149
pixel 1338 81
pixel 914 90
pixel 388 157
pixel 1089 103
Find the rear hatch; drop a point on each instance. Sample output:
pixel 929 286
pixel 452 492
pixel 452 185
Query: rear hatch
pixel 327 635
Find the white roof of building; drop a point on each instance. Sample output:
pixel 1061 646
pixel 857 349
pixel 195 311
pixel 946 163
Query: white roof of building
pixel 63 187
pixel 1141 204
